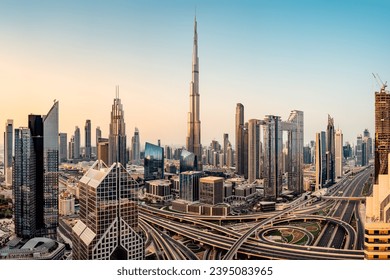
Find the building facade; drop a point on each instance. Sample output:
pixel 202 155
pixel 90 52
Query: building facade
pixel 88 147
pixel 8 151
pixel 153 162
pixel 339 153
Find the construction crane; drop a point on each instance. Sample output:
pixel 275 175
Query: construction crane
pixel 380 83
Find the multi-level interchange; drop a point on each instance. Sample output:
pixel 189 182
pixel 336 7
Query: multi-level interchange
pixel 267 197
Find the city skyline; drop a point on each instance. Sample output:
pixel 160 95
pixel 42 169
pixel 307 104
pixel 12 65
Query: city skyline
pixel 272 58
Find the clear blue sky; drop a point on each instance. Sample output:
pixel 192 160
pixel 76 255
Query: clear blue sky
pixel 271 56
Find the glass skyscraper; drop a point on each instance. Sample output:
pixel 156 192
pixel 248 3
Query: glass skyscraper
pixel 188 161
pixel 153 162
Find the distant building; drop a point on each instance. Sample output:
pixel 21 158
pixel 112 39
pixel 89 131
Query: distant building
pixel 88 147
pixel 188 161
pixel 63 147
pixel 189 185
pixel 339 153
pixel 320 160
pixel 117 133
pixel 77 144
pixel 8 151
pixel 153 162
pixel 159 190
pixel 103 149
pixel 108 226
pixel 135 148
pixel 98 135
pixel 211 190
pixel 66 203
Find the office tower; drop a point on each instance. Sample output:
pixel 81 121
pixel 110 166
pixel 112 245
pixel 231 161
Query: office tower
pixel 193 141
pixel 320 159
pixel 339 153
pixel 8 144
pixel 295 151
pixel 359 150
pixel 77 143
pixel 108 226
pixel 189 185
pixel 168 152
pixel 24 184
pixel 211 190
pixel 36 163
pixel 272 172
pixel 188 161
pixel 225 146
pixel 330 150
pixel 254 150
pixel 240 139
pixel 230 156
pixel 50 160
pixel 135 148
pixel 102 149
pixel 117 136
pixel 245 158
pixel 153 162
pixel 63 147
pixel 364 153
pixel 88 148
pixel 98 135
pixel 347 150
pixel 307 155
pixel 382 131
pixel 71 148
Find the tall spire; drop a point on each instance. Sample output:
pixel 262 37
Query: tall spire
pixel 193 133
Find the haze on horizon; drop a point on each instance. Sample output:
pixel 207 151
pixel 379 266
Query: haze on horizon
pixel 273 57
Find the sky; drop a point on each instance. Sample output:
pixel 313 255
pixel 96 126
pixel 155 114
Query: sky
pixel 271 56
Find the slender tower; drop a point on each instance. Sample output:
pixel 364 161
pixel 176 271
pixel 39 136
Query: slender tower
pixel 193 133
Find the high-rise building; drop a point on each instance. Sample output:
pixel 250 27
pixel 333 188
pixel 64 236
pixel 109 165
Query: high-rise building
pixel 117 136
pixel 239 127
pixel 320 159
pixel 225 146
pixel 102 149
pixel 211 190
pixel 41 154
pixel 367 139
pixel 135 148
pixel 382 131
pixel 254 150
pixel 24 184
pixel 8 151
pixel 189 185
pixel 153 162
pixel 339 153
pixel 71 148
pixel 330 151
pixel 188 161
pixel 193 141
pixel 359 150
pixel 63 147
pixel 108 226
pixel 230 156
pixel 295 151
pixel 272 171
pixel 98 135
pixel 77 143
pixel 88 147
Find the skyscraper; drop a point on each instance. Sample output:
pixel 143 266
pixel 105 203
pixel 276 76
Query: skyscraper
pixel 188 161
pixel 189 185
pixel 359 150
pixel 135 147
pixel 98 135
pixel 254 150
pixel 225 146
pixel 320 159
pixel 330 150
pixel 108 226
pixel 88 149
pixel 117 136
pixel 63 147
pixel 153 162
pixel 240 161
pixel 272 134
pixel 24 184
pixel 339 153
pixel 193 141
pixel 8 144
pixel 295 151
pixel 382 131
pixel 77 143
pixel 71 148
pixel 36 173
